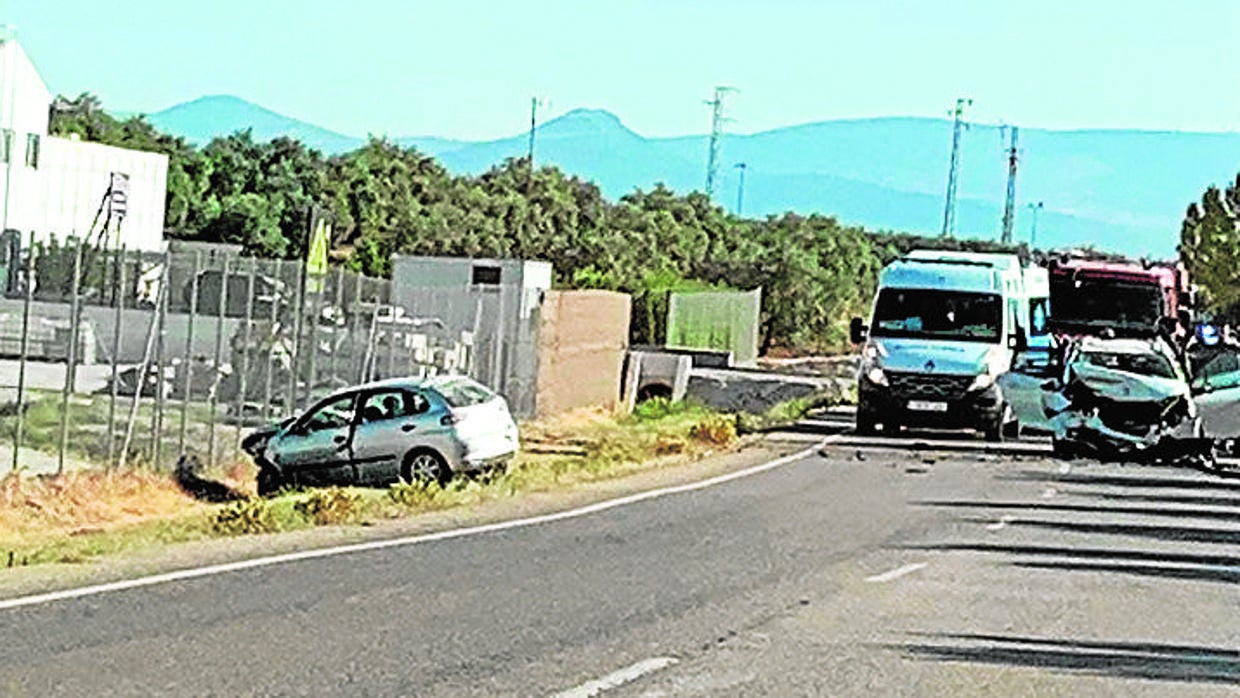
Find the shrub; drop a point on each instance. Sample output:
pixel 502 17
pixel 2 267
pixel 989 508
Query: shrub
pixel 658 408
pixel 416 495
pixel 244 517
pixel 330 506
pixel 717 430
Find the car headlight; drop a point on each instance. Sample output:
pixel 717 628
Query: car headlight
pixel 982 382
pixel 876 376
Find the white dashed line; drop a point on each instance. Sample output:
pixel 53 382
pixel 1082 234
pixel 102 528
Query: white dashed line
pixel 618 678
pixel 897 572
pixel 1000 524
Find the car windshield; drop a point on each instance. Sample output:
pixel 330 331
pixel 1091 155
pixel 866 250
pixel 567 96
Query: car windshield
pixel 1090 302
pixel 463 393
pixel 1154 365
pixel 933 314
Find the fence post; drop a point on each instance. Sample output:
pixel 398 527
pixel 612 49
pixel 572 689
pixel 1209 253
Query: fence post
pixel 316 305
pixel 119 297
pixel 157 415
pixel 357 324
pixel 73 337
pixel 137 396
pixel 243 375
pixel 189 351
pixel 269 376
pixel 337 326
pixel 295 349
pixel 25 348
pixel 213 396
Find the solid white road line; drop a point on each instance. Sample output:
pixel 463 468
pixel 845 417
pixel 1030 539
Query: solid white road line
pixel 618 678
pixel 227 567
pixel 897 572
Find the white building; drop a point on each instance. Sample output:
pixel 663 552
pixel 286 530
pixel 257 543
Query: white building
pixel 56 186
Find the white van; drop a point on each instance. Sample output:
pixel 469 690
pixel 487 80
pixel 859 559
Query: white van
pixel 944 326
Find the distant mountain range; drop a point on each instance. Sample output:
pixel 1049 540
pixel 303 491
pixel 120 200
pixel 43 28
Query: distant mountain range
pixel 1118 190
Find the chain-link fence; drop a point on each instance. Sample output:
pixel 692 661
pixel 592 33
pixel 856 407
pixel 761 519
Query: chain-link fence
pixel 121 357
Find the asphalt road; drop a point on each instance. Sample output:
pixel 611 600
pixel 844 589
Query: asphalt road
pixel 877 569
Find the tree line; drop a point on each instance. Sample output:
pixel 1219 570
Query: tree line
pixel 383 198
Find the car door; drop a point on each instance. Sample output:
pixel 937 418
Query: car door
pixel 1022 387
pixel 391 424
pixel 1216 390
pixel 316 450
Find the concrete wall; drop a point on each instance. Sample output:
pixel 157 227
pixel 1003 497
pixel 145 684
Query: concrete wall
pixel 582 342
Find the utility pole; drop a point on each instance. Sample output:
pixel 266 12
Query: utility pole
pixel 1033 228
pixel 716 136
pixel 1009 203
pixel 953 171
pixel 535 103
pixel 740 189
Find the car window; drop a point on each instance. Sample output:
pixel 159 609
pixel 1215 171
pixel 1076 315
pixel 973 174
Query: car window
pixel 334 415
pixel 1153 365
pixel 462 393
pixel 393 404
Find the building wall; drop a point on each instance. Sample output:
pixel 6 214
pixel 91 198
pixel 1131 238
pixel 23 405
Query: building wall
pixel 24 101
pixel 59 192
pixel 500 314
pixel 74 179
pixel 582 341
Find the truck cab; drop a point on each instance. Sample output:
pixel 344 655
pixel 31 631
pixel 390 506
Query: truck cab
pixel 1123 298
pixel 943 327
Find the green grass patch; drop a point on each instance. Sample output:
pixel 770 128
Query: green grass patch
pixel 785 413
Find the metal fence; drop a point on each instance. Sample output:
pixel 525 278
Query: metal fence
pixel 124 357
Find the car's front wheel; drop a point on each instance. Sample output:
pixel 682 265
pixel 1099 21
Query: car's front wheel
pixel 425 465
pixel 269 481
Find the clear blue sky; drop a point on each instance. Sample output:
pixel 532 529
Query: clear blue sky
pixel 467 69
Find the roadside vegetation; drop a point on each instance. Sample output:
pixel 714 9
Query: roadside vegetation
pixel 815 271
pixel 88 515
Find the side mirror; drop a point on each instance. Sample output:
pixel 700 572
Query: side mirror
pixel 857 332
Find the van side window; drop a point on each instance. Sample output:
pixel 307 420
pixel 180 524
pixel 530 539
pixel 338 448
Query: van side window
pixel 1038 325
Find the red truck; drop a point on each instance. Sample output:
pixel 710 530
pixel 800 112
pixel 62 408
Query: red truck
pixel 1131 299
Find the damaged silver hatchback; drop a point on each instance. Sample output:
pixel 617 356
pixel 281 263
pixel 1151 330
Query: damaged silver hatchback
pixel 1111 399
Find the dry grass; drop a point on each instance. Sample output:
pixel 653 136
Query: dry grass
pixel 86 499
pixel 86 515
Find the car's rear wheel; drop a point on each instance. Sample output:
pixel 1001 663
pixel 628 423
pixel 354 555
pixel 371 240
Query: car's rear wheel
pixel 424 465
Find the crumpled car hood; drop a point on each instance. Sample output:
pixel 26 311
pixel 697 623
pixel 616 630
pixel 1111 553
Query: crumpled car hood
pixel 1123 386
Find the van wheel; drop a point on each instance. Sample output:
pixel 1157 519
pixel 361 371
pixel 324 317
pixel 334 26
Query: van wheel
pixel 866 424
pixel 425 466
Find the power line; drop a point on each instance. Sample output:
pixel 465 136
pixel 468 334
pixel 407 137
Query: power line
pixel 953 171
pixel 717 121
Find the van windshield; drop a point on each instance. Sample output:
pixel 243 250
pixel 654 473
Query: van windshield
pixel 934 314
